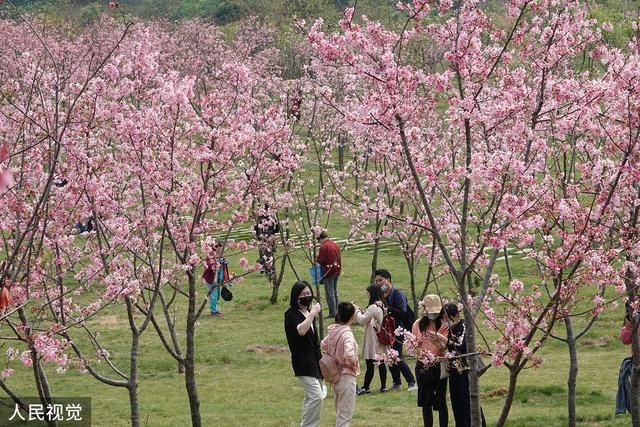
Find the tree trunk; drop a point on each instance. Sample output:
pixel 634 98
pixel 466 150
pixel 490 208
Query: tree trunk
pixel 278 280
pixel 172 330
pixel 374 259
pixel 573 373
pixel 412 278
pixel 190 367
pixel 132 385
pixel 376 249
pixel 132 381
pixel 474 364
pixel 341 145
pixel 16 399
pixel 43 385
pixel 511 394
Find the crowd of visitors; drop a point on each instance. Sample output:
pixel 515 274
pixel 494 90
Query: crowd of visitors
pixel 438 330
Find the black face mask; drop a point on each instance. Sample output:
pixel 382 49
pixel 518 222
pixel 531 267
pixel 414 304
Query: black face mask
pixel 305 301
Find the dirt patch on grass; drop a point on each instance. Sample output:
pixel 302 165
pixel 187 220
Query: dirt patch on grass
pixel 598 342
pixel 266 348
pixel 251 305
pixel 108 320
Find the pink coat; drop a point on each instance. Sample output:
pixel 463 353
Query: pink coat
pixel 342 340
pixel 427 343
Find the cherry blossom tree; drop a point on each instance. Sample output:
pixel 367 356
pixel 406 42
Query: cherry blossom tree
pixel 212 137
pixel 48 101
pixel 491 131
pixel 155 144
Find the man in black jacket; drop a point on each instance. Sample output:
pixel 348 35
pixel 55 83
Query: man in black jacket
pixel 302 338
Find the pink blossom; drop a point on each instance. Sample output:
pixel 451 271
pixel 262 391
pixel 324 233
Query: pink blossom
pixel 516 286
pixel 6 373
pixel 12 353
pixel 25 357
pixel 389 358
pixel 496 360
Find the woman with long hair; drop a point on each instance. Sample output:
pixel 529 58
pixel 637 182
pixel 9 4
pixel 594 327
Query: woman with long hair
pixel 431 331
pixel 302 337
pixel 372 321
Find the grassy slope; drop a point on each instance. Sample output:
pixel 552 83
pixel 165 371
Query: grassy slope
pixel 243 388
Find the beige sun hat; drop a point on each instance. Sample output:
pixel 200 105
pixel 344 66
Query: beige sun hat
pixel 431 304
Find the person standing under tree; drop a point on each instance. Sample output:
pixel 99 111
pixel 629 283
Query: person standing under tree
pixel 398 308
pixel 215 274
pixel 623 396
pixel 459 369
pixel 330 268
pixel 302 337
pixel 432 334
pixel 266 228
pixel 372 321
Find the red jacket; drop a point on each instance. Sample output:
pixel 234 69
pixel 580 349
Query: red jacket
pixel 329 259
pixel 626 334
pixel 209 274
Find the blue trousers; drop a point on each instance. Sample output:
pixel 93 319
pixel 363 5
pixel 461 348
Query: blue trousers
pixel 331 294
pixel 213 299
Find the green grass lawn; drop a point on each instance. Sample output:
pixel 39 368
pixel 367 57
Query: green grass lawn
pixel 238 387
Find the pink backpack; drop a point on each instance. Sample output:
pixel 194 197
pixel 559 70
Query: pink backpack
pixel 329 367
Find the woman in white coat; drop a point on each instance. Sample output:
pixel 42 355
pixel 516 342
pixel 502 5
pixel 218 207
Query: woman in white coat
pixel 372 321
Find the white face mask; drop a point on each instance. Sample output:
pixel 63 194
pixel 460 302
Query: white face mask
pixel 433 316
pixel 384 288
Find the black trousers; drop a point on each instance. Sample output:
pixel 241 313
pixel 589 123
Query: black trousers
pixel 368 376
pixel 432 393
pixel 401 367
pixel 460 399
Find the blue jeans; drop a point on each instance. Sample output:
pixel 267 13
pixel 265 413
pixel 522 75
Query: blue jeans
pixel 213 299
pixel 331 294
pixel 624 387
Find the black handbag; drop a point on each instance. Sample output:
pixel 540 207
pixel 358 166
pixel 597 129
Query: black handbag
pixel 226 294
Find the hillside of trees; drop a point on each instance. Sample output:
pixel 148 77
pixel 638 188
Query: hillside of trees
pixel 278 12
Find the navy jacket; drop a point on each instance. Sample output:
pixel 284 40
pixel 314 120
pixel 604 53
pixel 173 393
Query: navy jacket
pixel 397 306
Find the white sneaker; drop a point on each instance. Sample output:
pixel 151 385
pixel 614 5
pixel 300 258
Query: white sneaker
pixel 412 387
